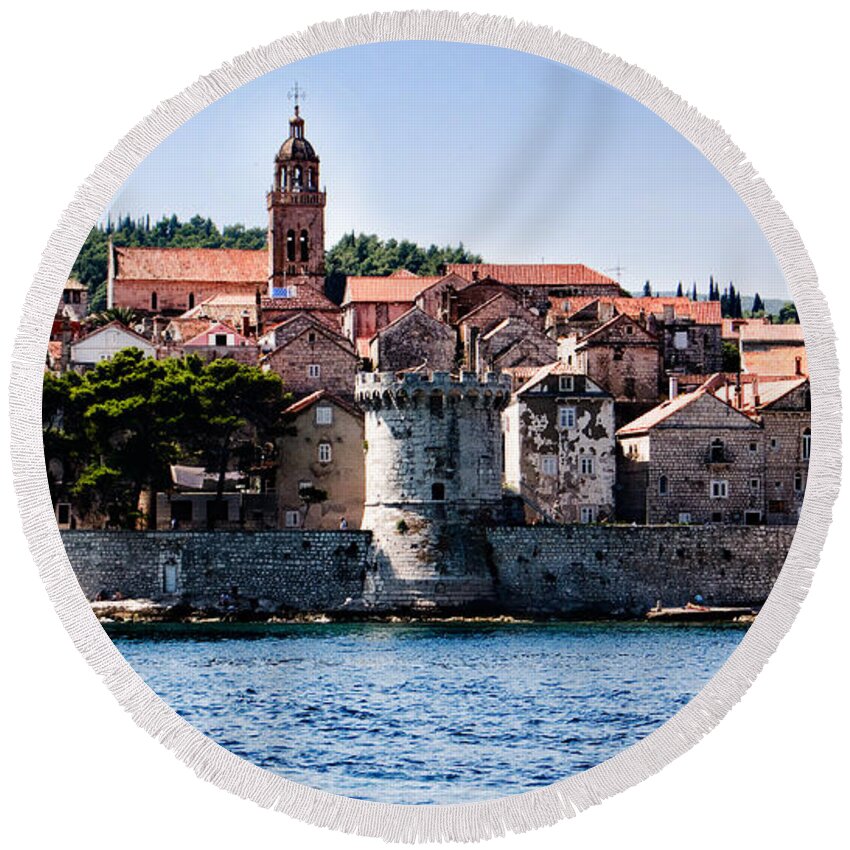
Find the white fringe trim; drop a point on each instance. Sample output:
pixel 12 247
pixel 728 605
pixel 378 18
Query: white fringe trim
pixel 474 821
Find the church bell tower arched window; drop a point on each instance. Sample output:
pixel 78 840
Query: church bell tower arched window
pixel 304 242
pixel 290 245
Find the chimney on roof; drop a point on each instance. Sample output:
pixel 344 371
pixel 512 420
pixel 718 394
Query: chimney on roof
pixel 475 273
pixel 669 313
pixel 673 387
pixel 755 390
pixel 606 311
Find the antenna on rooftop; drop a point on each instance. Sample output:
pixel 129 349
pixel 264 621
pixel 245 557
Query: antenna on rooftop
pixel 617 270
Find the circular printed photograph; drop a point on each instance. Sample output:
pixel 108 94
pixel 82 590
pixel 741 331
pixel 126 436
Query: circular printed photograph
pixel 426 422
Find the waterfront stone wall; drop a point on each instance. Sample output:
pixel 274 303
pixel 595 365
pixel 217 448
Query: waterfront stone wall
pixel 571 570
pixel 525 571
pixel 279 570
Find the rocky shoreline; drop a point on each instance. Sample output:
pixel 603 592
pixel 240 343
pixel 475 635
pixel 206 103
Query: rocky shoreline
pixel 148 611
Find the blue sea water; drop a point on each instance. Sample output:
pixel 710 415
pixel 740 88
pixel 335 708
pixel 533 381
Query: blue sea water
pixel 426 713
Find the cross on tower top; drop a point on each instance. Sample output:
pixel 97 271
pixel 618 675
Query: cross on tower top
pixel 296 93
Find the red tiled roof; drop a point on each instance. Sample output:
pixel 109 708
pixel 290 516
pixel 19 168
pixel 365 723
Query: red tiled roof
pixel 532 274
pixel 771 333
pixel 702 312
pixel 386 289
pixel 769 391
pixel 658 414
pixel 202 339
pixel 310 400
pixel 775 360
pixel 216 265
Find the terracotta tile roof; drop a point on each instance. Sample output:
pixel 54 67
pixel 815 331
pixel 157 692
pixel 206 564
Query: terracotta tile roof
pixel 386 289
pixel 658 414
pixel 753 332
pixel 73 283
pixel 202 339
pixel 702 312
pixel 775 360
pixel 769 391
pixel 309 400
pixel 216 265
pixel 533 274
pixel 183 328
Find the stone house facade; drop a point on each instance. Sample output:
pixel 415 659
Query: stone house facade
pixel 560 447
pixel 693 459
pixel 784 408
pixel 623 357
pixel 325 452
pixel 314 359
pixel 510 343
pixel 414 340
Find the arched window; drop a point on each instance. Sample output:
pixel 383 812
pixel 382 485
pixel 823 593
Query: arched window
pixel 154 301
pixel 806 444
pixel 305 246
pixel 296 178
pixel 438 491
pixel 662 485
pixel 290 244
pixel 283 179
pixel 191 300
pixel 311 178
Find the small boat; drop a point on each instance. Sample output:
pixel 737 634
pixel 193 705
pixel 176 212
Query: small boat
pixel 700 613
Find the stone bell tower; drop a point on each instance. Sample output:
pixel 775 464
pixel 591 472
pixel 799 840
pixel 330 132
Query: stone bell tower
pixel 296 208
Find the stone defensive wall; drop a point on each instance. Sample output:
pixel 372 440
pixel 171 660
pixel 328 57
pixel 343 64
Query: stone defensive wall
pixel 524 571
pixel 306 571
pixel 576 569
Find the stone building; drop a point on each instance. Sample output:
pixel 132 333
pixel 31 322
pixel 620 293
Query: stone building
pixel 509 343
pixel 689 333
pixel 170 281
pixel 282 332
pixel 433 483
pixel 784 408
pixel 692 459
pixel 289 275
pixel 74 302
pixel 371 303
pixel 560 448
pixel 414 340
pixel 314 359
pixel 325 453
pixel 622 356
pixel 536 284
pixel 773 350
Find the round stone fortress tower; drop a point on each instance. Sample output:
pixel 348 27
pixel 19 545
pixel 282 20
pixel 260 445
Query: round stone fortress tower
pixel 433 482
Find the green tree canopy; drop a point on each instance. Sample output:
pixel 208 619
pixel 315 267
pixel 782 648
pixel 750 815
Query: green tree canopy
pixel 116 429
pixel 788 314
pixel 370 255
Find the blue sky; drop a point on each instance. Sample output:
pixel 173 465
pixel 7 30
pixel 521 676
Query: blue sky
pixel 520 158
